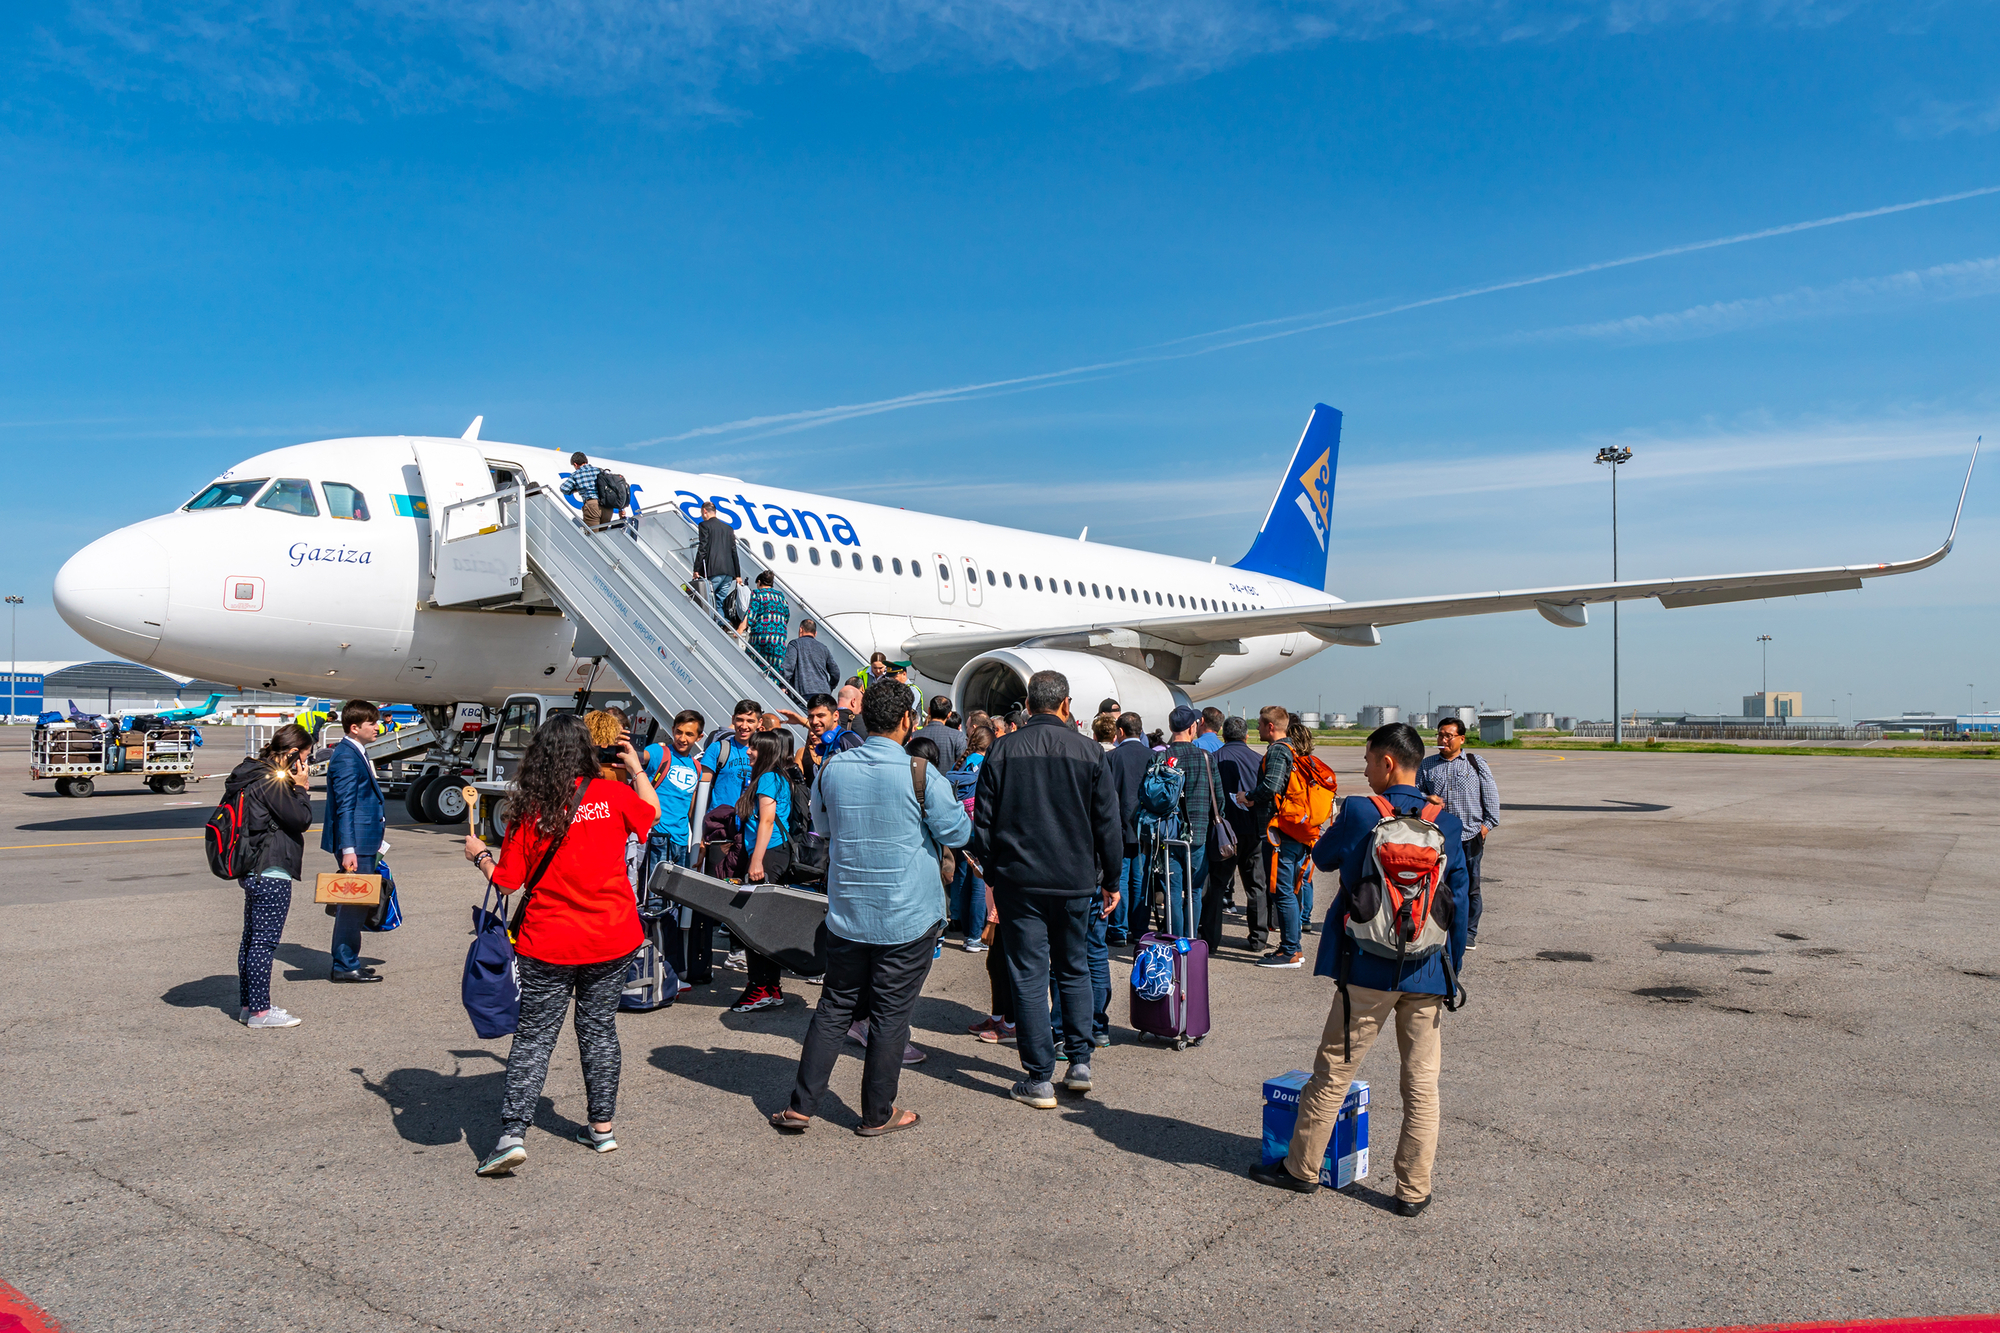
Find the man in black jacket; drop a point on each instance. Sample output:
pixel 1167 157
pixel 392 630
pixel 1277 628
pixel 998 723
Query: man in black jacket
pixel 715 560
pixel 1128 761
pixel 1046 826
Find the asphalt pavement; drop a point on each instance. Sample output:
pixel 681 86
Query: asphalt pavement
pixel 1729 1058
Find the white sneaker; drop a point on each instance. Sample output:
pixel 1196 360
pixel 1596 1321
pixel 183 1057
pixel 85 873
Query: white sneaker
pixel 974 946
pixel 272 1018
pixel 737 961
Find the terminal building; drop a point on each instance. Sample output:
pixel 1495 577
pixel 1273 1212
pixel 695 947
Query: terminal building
pixel 126 687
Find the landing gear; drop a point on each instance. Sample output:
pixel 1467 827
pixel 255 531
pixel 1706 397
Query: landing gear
pixel 413 798
pixel 444 800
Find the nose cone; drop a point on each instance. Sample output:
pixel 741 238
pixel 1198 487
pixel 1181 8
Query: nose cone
pixel 114 593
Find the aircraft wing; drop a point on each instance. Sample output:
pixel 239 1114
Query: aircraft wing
pixel 1355 623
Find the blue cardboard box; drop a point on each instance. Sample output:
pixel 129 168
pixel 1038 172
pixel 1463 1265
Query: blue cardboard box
pixel 1346 1152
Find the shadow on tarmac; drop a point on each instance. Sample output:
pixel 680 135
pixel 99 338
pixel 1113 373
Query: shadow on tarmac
pixel 437 1110
pixel 1163 1138
pixel 1609 807
pixel 217 992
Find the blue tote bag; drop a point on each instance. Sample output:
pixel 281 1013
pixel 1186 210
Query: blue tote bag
pixel 492 989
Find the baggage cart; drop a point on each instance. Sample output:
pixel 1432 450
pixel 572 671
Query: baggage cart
pixel 77 755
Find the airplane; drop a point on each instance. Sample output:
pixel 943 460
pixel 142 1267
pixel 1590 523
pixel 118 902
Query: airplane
pixel 192 713
pixel 307 569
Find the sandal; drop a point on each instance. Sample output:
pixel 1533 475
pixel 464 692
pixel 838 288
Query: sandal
pixel 895 1123
pixel 789 1121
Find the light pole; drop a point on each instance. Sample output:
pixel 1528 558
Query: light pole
pixel 1615 456
pixel 13 656
pixel 1764 641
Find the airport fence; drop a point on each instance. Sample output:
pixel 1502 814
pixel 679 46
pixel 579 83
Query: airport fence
pixel 1674 732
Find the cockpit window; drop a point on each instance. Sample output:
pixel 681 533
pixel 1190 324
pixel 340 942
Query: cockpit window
pixel 344 501
pixel 227 494
pixel 290 495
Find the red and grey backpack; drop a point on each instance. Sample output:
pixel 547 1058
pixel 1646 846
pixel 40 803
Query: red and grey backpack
pixel 222 836
pixel 1401 909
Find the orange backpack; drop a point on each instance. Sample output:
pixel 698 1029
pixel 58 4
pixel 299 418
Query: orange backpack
pixel 1307 800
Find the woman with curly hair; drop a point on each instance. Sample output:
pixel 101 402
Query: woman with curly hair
pixel 579 925
pixel 770 623
pixel 277 811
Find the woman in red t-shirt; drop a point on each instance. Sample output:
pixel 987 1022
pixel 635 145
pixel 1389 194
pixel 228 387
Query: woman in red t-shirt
pixel 581 925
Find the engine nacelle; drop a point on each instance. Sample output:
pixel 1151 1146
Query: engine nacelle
pixel 998 682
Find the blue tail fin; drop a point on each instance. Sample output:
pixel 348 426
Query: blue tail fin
pixel 1292 542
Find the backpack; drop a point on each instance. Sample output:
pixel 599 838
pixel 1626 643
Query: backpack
pixel 1161 790
pixel 222 836
pixel 1399 909
pixel 612 490
pixel 1306 803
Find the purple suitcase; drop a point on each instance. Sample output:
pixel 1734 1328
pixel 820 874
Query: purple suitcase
pixel 1182 1016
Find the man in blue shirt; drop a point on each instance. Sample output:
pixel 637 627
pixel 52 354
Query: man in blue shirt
pixel 884 906
pixel 729 757
pixel 1209 734
pixel 675 773
pixel 1414 993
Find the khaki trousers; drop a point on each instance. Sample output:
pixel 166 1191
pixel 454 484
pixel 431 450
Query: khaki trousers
pixel 593 514
pixel 1419 1022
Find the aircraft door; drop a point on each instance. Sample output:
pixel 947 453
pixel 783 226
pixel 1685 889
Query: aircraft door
pixel 945 591
pixel 454 472
pixel 970 568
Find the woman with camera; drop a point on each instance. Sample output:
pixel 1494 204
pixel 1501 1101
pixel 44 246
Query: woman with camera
pixel 277 810
pixel 577 926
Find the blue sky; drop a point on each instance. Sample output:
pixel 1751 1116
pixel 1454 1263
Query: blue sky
pixel 631 228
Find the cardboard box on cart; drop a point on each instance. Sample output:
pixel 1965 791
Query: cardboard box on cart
pixel 1346 1152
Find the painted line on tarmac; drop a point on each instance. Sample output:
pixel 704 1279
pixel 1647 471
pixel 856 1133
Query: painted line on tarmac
pixel 33 846
pixel 17 1312
pixel 1967 1323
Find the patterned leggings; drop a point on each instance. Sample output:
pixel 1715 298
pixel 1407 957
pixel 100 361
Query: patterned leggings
pixel 545 992
pixel 266 901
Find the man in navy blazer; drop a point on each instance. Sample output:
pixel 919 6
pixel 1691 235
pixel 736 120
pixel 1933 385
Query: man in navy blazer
pixel 353 829
pixel 1411 994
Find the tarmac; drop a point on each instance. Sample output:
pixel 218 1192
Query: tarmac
pixel 1729 1058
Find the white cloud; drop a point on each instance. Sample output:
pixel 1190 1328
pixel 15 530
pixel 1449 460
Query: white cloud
pixel 281 59
pixel 1941 282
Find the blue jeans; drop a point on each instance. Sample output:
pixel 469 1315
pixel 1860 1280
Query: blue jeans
pixel 661 849
pixel 1131 878
pixel 968 899
pixel 1097 949
pixel 347 923
pixel 1289 856
pixel 720 587
pixel 1178 922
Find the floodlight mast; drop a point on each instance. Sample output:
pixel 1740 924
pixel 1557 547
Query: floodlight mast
pixel 1615 456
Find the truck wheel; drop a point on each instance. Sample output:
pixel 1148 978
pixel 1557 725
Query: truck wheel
pixel 413 798
pixel 62 786
pixel 80 787
pixel 496 820
pixel 171 785
pixel 444 802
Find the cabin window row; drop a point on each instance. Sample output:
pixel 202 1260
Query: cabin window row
pixel 1007 579
pixel 286 495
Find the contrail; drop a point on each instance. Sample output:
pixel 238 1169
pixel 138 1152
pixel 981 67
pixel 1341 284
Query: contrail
pixel 790 421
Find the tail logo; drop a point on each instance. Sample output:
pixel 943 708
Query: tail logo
pixel 1316 500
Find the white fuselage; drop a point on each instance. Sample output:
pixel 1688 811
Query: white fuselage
pixel 329 606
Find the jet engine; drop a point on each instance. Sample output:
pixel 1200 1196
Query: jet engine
pixel 998 682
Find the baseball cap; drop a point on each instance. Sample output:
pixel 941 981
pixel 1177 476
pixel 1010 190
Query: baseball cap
pixel 1182 718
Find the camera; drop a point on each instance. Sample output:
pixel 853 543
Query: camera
pixel 609 756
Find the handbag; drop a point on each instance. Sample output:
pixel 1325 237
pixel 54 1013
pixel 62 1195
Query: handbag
pixel 491 990
pixel 387 913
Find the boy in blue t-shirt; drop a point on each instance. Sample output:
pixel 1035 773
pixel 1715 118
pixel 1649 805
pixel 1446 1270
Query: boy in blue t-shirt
pixel 728 757
pixel 675 774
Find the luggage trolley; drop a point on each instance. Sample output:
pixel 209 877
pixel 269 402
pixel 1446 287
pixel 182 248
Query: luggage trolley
pixel 76 756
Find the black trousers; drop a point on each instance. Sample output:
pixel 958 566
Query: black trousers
pixel 1475 852
pixel 1247 866
pixel 1048 934
pixel 892 977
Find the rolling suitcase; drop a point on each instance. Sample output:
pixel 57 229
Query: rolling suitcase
pixel 1170 972
pixel 651 979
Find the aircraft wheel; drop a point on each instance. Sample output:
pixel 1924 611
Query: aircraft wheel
pixel 444 800
pixel 413 798
pixel 171 785
pixel 80 787
pixel 62 786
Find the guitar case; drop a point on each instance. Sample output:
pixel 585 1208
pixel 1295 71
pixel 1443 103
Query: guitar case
pixel 777 920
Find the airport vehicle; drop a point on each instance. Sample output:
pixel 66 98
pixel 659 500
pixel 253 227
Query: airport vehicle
pixel 76 754
pixel 438 570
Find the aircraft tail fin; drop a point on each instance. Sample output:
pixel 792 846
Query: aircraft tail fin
pixel 1292 542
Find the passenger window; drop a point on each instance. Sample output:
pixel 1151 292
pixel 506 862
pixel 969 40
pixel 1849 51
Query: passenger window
pixel 1038 583
pixel 989 578
pixel 1145 597
pixel 791 553
pixel 944 572
pixel 1007 580
pixel 1121 594
pixel 1093 590
pixel 812 553
pixel 226 494
pixel 770 551
pixel 892 560
pixel 878 564
pixel 835 557
pixel 344 501
pixel 290 495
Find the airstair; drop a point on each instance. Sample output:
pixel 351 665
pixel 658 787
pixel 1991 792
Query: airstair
pixel 633 596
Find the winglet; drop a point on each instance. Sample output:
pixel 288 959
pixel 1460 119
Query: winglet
pixel 1964 486
pixel 472 431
